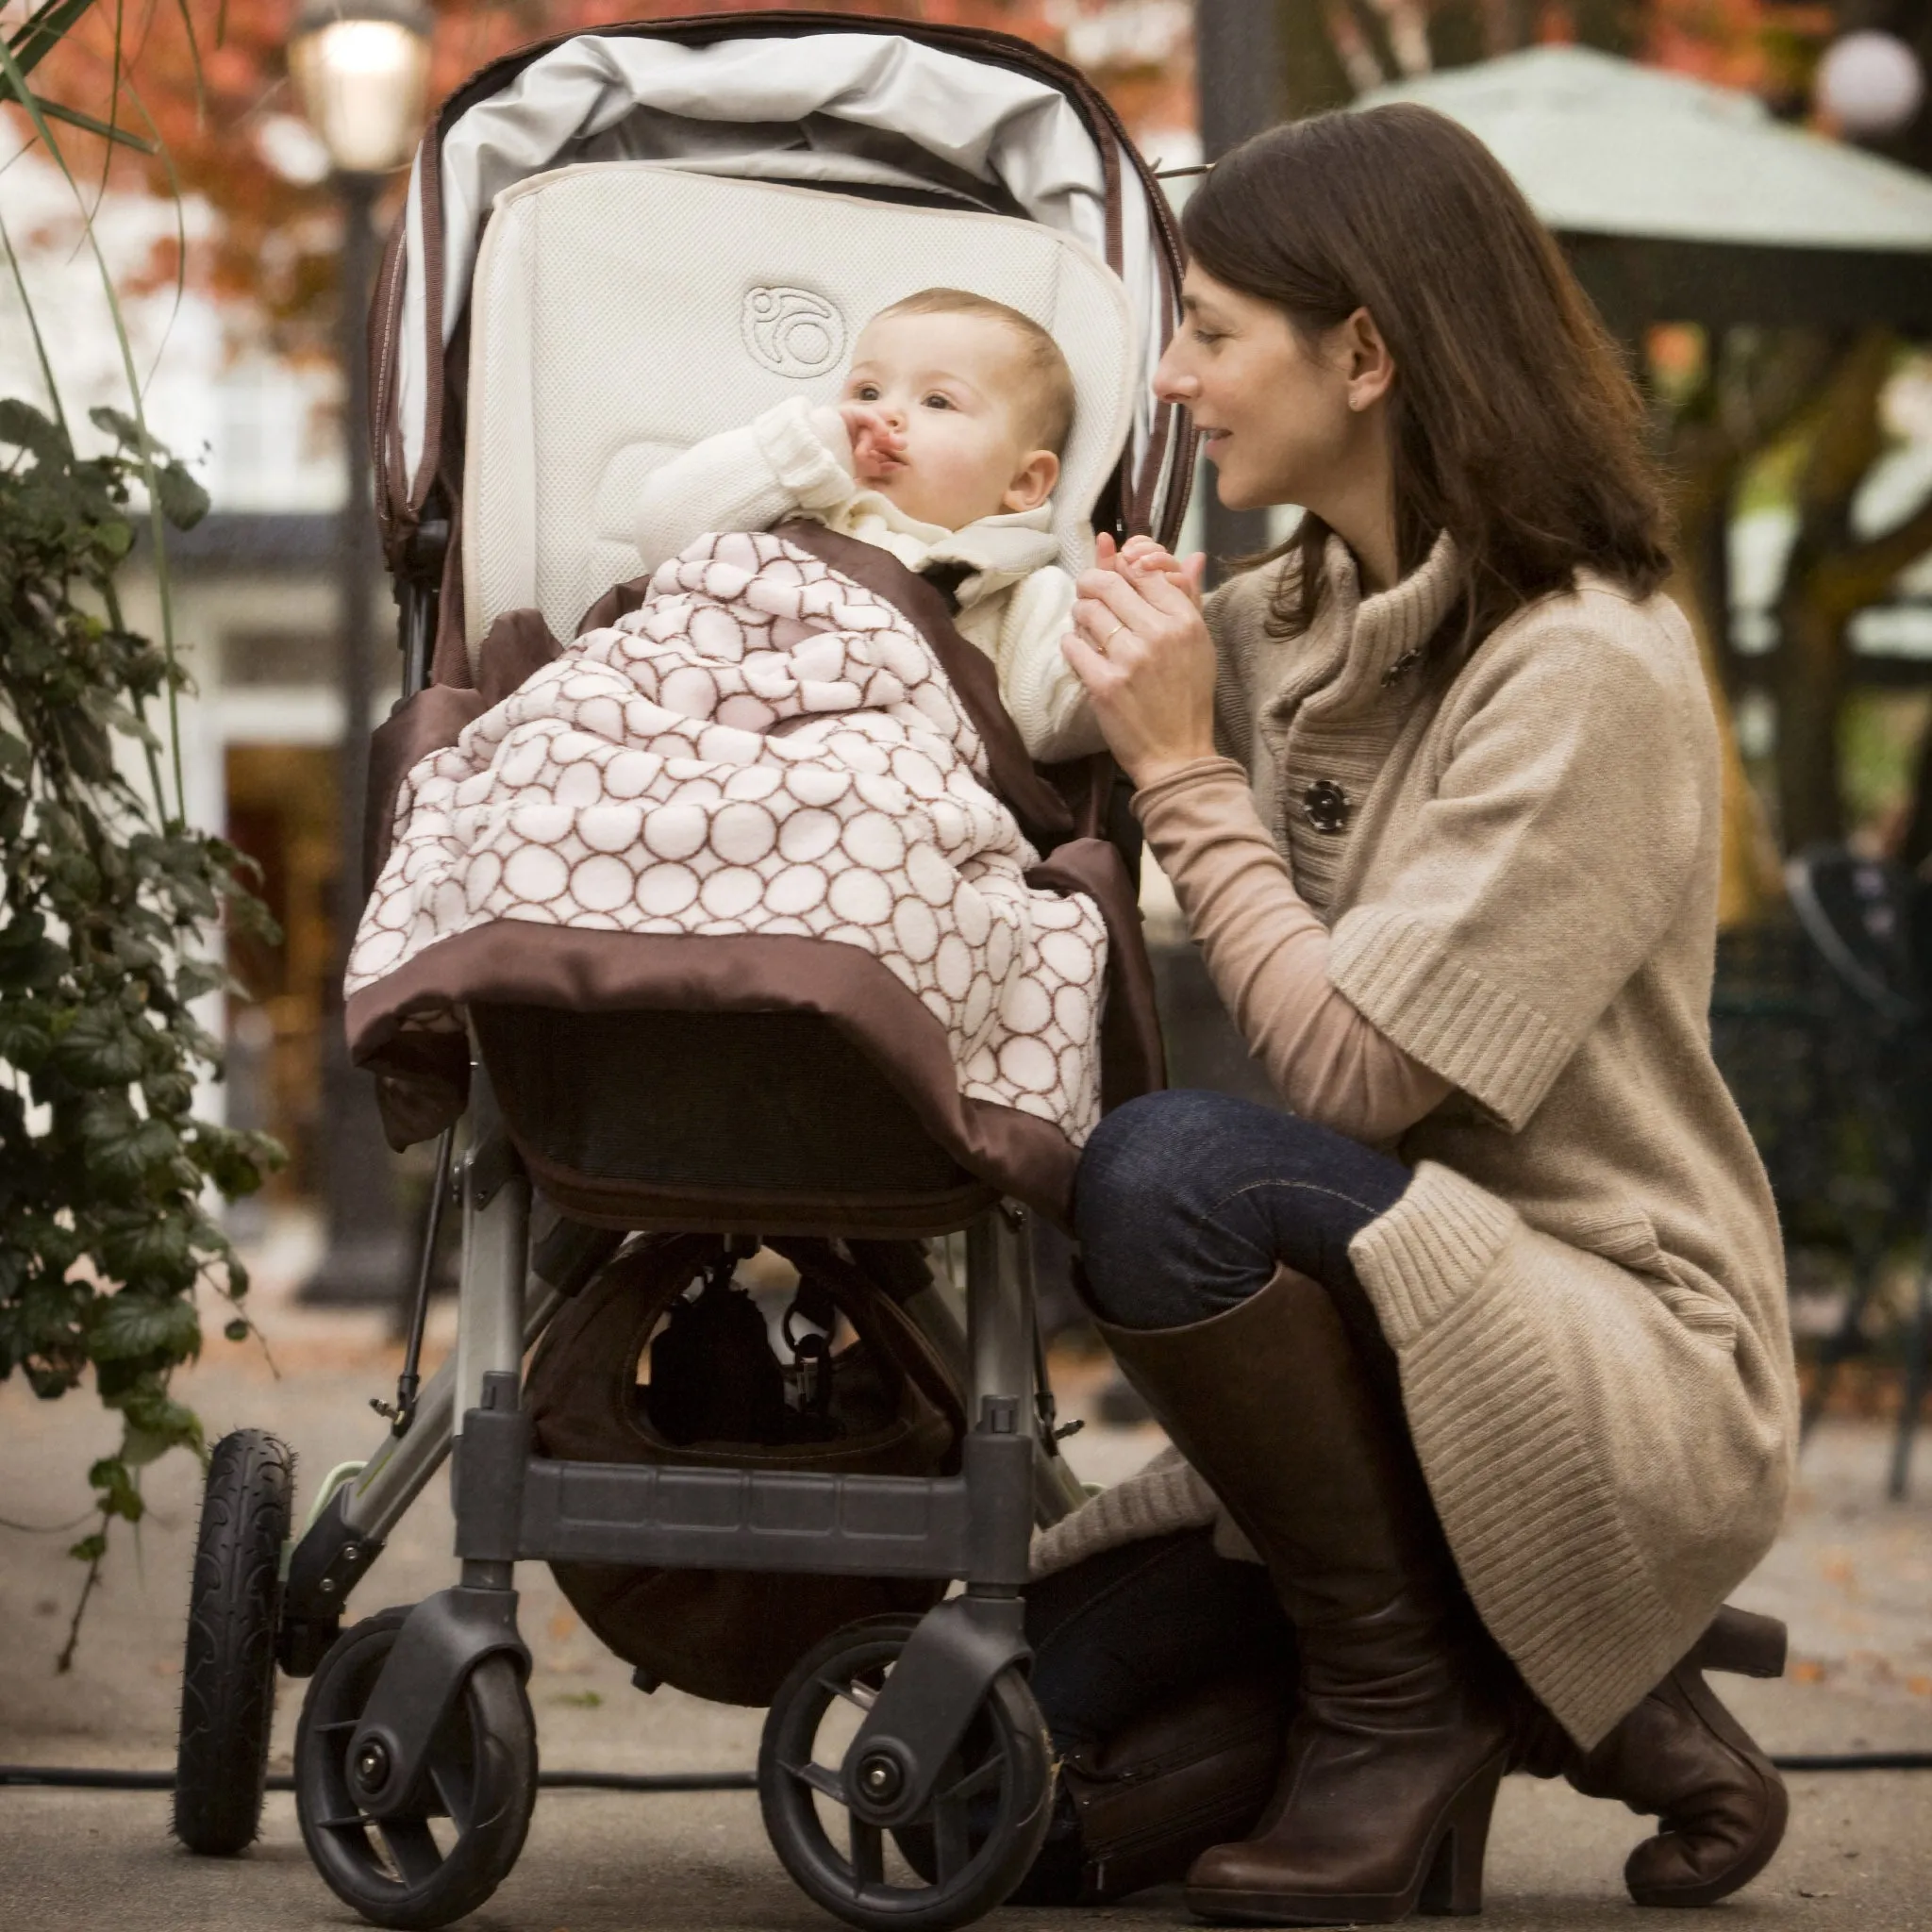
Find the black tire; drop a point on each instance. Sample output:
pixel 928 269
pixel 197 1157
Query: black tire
pixel 482 1780
pixel 990 1812
pixel 229 1676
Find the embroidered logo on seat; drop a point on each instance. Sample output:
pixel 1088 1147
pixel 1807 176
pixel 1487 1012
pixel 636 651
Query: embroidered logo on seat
pixel 793 331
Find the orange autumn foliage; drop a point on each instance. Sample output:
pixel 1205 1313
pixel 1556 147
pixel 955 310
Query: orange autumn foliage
pixel 202 77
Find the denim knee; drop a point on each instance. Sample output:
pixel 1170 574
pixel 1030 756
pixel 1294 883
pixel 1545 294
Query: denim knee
pixel 1131 1167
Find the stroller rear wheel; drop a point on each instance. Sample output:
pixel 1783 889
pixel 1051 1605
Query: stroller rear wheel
pixel 965 1852
pixel 479 1787
pixel 229 1674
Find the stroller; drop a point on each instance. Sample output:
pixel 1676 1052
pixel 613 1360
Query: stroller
pixel 706 207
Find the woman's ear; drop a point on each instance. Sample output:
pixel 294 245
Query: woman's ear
pixel 1032 481
pixel 1370 368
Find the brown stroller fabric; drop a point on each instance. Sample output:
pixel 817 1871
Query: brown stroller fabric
pixel 995 1112
pixel 886 1405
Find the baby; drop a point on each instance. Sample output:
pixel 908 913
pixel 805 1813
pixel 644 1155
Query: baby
pixel 943 449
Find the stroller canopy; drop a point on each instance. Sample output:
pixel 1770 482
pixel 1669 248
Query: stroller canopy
pixel 953 117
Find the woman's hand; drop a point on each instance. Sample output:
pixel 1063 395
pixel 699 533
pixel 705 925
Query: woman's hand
pixel 1144 652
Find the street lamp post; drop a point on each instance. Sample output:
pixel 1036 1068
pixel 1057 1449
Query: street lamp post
pixel 360 69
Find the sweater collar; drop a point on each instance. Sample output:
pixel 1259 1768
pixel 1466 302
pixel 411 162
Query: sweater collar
pixel 1359 648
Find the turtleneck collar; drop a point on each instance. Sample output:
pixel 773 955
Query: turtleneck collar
pixel 1359 648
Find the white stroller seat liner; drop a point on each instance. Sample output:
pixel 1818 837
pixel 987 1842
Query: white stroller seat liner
pixel 624 310
pixel 839 106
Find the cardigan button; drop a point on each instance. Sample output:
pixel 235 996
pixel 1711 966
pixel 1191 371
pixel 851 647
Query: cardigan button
pixel 1327 805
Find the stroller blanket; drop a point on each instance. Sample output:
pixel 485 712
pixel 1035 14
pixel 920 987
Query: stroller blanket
pixel 764 748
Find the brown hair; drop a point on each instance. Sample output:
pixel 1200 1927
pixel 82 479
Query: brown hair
pixel 1514 424
pixel 1048 383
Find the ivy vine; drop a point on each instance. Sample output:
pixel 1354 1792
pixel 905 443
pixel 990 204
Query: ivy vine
pixel 111 904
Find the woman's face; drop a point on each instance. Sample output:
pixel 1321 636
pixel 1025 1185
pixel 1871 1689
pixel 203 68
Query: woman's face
pixel 1275 410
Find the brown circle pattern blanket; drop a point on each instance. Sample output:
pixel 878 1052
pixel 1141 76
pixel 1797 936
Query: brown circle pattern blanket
pixel 764 747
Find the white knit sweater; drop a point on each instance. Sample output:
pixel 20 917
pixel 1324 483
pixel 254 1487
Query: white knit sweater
pixel 1016 604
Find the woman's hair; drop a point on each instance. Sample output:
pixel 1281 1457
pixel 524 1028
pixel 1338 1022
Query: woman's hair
pixel 1513 423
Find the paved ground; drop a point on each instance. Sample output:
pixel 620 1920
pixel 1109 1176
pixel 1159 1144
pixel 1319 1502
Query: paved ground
pixel 1853 1575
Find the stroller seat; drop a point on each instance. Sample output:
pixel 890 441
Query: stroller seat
pixel 622 311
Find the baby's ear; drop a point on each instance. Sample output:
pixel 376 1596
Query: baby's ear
pixel 1032 481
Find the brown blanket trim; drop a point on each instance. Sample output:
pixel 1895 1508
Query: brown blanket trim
pixel 1132 1058
pixel 515 648
pixel 513 963
pixel 431 721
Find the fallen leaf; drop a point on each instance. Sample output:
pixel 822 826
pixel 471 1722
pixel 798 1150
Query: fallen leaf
pixel 1807 1670
pixel 1919 1687
pixel 560 1625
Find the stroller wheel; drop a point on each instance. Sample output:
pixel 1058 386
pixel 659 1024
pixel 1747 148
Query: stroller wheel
pixel 963 1855
pixel 479 1786
pixel 229 1676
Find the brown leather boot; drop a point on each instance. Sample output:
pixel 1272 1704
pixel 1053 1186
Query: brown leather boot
pixel 1680 1756
pixel 1405 1721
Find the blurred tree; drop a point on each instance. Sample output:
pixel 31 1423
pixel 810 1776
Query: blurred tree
pixel 208 85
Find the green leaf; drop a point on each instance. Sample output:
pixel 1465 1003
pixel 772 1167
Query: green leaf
pixel 235 1330
pixel 184 502
pixel 171 1424
pixel 117 1495
pixel 24 424
pixel 98 1048
pixel 130 1325
pixel 90 1549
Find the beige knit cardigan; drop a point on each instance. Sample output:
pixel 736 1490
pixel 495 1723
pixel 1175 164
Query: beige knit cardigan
pixel 1584 1283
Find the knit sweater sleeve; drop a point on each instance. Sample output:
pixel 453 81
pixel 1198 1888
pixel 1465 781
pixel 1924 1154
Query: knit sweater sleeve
pixel 742 479
pixel 1268 958
pixel 1040 689
pixel 1555 849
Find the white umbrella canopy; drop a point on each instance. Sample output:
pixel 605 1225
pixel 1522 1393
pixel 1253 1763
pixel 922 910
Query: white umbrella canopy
pixel 1602 147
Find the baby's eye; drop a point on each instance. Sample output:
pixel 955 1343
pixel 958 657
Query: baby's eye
pixel 936 401
pixel 866 392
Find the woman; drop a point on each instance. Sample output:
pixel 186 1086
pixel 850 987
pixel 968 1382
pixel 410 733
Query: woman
pixel 1483 1344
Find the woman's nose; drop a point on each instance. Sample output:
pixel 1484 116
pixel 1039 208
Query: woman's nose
pixel 1173 382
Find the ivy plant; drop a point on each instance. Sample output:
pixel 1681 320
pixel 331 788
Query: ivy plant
pixel 111 903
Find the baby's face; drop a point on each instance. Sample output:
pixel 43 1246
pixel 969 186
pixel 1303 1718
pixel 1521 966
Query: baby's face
pixel 947 384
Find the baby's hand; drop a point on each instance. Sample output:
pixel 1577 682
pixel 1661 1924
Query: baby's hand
pixel 1141 557
pixel 876 444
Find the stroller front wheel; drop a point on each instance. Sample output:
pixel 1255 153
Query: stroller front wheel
pixel 979 1832
pixel 479 1790
pixel 229 1674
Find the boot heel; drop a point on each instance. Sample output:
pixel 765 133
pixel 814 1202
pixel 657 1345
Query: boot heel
pixel 1455 1885
pixel 1742 1643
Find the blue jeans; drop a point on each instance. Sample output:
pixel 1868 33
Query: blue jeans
pixel 1184 1204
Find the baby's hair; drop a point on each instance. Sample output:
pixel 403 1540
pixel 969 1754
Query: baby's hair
pixel 1049 381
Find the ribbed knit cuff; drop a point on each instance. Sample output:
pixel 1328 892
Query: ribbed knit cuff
pixel 790 442
pixel 1164 1497
pixel 1435 1247
pixel 1481 1037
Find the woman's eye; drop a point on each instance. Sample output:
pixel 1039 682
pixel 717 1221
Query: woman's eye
pixel 1209 337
